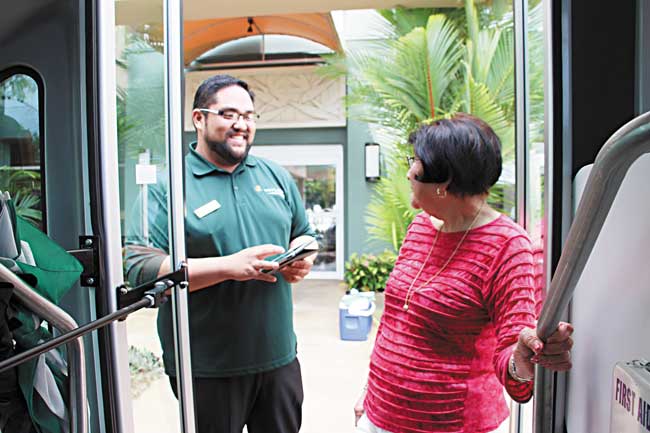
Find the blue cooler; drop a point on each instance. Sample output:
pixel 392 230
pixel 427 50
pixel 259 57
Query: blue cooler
pixel 355 315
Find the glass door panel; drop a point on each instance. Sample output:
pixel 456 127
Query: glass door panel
pixel 318 172
pixel 531 147
pixel 317 186
pixel 143 184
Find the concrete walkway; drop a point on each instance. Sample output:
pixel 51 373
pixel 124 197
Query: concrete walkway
pixel 333 370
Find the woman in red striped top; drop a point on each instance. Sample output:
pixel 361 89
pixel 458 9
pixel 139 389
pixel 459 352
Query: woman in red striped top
pixel 459 318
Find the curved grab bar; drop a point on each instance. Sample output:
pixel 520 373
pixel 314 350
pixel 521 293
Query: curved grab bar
pixel 611 165
pixel 640 120
pixel 76 358
pixel 607 174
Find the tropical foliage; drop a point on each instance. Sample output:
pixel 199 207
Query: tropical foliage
pixel 430 66
pixel 24 187
pixel 145 367
pixel 369 272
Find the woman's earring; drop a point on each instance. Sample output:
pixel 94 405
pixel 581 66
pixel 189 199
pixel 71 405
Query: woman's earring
pixel 441 194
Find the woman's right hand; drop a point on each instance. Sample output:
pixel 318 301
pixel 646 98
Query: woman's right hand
pixel 358 407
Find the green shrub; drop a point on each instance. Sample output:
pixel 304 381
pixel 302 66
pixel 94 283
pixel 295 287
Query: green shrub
pixel 145 367
pixel 369 272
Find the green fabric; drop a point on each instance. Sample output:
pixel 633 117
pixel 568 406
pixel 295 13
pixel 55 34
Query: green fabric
pixel 55 270
pixel 235 327
pixel 29 335
pixel 14 414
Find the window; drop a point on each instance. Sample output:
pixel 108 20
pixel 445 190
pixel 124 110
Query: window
pixel 21 169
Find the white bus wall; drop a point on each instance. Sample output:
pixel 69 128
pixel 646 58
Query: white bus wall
pixel 610 308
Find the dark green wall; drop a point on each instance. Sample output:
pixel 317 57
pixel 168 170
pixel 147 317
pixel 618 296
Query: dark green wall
pixel 358 190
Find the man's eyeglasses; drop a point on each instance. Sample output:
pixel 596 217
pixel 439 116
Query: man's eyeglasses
pixel 233 115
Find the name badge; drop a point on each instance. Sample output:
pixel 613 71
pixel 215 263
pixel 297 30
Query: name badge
pixel 207 208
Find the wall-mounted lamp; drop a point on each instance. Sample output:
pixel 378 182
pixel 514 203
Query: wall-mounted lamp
pixel 373 172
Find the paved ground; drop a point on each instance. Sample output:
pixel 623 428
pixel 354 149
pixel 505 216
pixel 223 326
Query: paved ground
pixel 333 370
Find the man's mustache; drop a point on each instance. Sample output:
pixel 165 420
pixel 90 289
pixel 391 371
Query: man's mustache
pixel 232 132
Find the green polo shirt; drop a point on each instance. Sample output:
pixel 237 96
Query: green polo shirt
pixel 236 327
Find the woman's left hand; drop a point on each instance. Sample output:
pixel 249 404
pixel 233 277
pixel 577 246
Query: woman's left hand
pixel 554 354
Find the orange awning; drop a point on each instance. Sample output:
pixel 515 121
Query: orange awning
pixel 200 36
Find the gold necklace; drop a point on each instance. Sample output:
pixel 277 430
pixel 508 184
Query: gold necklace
pixel 410 291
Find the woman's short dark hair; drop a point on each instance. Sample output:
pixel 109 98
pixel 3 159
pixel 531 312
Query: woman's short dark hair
pixel 463 150
pixel 206 93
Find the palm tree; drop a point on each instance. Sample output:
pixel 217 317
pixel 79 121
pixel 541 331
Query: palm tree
pixel 427 73
pixel 24 187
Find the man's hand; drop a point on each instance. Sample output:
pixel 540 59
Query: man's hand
pixel 298 270
pixel 249 263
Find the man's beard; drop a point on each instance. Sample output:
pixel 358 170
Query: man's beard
pixel 224 151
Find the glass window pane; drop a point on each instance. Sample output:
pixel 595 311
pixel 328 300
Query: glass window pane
pixel 143 183
pixel 534 157
pixel 535 161
pixel 317 186
pixel 20 149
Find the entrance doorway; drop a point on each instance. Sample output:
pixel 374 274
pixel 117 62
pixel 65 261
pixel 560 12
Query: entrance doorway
pixel 318 172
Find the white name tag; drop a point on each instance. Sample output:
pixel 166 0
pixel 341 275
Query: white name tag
pixel 207 208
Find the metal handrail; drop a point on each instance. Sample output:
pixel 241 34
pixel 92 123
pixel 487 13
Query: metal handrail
pixel 76 358
pixel 612 164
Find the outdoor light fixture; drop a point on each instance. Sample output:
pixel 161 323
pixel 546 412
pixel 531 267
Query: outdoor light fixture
pixel 250 25
pixel 372 162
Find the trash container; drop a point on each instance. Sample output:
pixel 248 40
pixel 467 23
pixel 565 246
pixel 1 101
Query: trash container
pixel 355 315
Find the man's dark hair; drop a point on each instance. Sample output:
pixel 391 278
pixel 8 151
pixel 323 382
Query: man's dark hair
pixel 463 150
pixel 206 93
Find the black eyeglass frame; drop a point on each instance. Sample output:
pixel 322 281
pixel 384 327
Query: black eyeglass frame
pixel 410 160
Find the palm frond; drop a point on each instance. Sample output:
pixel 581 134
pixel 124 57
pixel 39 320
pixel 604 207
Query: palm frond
pixel 389 212
pixel 465 63
pixel 403 20
pixel 500 78
pixel 27 207
pixel 444 55
pixel 471 17
pixel 483 106
pixel 485 47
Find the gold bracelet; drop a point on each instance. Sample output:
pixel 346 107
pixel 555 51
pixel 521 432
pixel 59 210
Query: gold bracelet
pixel 512 370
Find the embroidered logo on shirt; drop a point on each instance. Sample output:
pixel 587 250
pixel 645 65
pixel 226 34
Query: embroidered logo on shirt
pixel 274 191
pixel 207 209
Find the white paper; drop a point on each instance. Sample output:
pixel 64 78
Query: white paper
pixel 145 174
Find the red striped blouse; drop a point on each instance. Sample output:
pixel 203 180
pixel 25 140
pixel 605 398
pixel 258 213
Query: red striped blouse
pixel 441 365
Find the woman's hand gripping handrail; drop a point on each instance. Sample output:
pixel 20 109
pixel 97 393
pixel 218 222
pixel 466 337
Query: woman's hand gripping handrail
pixel 76 358
pixel 612 163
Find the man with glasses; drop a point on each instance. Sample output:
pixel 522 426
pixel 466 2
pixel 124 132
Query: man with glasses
pixel 240 210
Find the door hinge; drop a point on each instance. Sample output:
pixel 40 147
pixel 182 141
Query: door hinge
pixel 88 256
